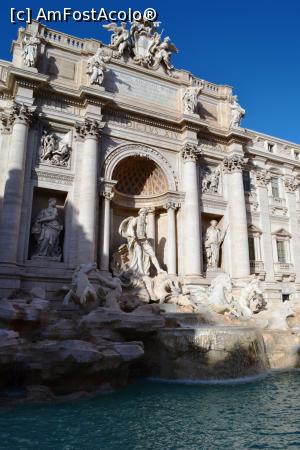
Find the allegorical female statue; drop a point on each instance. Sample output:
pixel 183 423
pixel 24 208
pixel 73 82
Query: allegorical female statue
pixel 212 243
pixel 30 50
pixel 46 230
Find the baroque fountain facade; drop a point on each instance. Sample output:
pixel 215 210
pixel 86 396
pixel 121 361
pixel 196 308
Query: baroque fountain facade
pixel 138 217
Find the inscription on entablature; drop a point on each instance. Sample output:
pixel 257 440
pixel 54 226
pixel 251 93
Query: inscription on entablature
pixel 142 127
pixel 58 105
pixel 138 88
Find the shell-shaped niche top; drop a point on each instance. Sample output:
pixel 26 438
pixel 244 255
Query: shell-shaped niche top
pixel 137 175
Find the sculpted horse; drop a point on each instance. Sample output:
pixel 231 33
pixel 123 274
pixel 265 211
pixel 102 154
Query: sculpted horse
pixel 216 293
pixel 82 291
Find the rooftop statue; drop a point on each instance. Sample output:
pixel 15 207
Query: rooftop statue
pixel 237 113
pixel 190 99
pixel 143 43
pixel 30 50
pixel 96 66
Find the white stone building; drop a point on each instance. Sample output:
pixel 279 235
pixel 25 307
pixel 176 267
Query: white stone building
pixel 106 130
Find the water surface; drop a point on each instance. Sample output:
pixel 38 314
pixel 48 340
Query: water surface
pixel 262 414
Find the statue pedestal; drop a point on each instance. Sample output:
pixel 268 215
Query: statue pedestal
pixel 211 274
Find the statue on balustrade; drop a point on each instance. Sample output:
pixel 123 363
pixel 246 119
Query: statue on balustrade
pixel 212 242
pixel 96 66
pixel 46 229
pixel 237 113
pixel 30 50
pixel 190 99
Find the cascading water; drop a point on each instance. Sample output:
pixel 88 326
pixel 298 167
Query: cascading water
pixel 209 352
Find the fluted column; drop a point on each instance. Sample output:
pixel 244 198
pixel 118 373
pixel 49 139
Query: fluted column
pixel 13 194
pixel 192 223
pixel 238 230
pixel 104 256
pixel 291 184
pixel 262 180
pixel 88 202
pixel 171 240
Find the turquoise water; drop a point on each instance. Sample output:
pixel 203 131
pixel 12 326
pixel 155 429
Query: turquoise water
pixel 264 414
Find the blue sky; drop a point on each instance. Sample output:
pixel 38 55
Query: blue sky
pixel 250 45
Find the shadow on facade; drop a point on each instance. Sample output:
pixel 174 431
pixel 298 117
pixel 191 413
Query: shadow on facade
pixel 22 205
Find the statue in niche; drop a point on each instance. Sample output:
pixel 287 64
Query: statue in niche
pixel 139 251
pixel 212 242
pixel 30 50
pixel 46 229
pixel 96 66
pixel 237 112
pixel 56 151
pixel 190 99
pixel 210 180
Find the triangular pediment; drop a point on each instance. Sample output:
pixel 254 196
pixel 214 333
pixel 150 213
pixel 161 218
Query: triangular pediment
pixel 282 233
pixel 252 229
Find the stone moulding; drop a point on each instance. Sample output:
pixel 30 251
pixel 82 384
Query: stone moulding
pixel 53 177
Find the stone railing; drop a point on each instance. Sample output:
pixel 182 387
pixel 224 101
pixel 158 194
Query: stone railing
pixel 282 267
pixel 276 201
pixel 256 266
pixel 63 39
pixel 284 271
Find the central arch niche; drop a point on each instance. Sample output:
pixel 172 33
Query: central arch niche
pixel 139 176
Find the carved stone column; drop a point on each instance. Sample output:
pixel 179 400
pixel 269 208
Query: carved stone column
pixel 171 242
pixel 291 184
pixel 12 203
pixel 262 180
pixel 238 231
pixel 88 203
pixel 104 256
pixel 192 223
pixel 151 226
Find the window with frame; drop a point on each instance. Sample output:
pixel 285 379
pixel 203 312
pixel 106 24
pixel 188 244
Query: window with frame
pixel 270 147
pixel 281 253
pixel 275 187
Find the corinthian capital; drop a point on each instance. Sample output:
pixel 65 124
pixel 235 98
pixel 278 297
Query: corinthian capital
pixel 20 113
pixel 291 184
pixel 234 163
pixel 190 152
pixel 262 177
pixel 90 128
